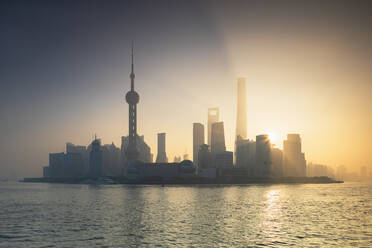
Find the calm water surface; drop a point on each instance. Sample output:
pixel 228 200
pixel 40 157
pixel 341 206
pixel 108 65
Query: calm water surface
pixel 61 215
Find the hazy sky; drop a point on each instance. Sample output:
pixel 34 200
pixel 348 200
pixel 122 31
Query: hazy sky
pixel 64 72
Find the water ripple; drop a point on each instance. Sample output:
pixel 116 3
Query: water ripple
pixel 57 215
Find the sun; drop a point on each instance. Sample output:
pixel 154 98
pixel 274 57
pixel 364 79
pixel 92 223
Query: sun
pixel 273 137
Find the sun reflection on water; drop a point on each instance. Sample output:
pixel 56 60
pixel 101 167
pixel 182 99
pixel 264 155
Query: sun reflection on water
pixel 272 213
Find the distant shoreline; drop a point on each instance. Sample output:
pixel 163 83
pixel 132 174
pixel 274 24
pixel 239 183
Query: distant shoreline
pixel 187 181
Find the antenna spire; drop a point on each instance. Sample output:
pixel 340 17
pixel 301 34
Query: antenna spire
pixel 132 55
pixel 132 76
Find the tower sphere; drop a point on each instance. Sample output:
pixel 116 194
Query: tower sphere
pixel 132 97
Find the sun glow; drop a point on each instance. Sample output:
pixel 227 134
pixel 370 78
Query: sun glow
pixel 273 137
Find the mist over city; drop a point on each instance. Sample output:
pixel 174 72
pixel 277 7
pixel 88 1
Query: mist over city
pixel 64 74
pixel 254 112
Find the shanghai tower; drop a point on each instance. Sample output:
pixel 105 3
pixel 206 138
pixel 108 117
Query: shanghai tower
pixel 241 120
pixel 132 99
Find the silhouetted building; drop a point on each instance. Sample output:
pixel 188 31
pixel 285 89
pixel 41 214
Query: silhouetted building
pixel 71 148
pixel 96 159
pixel 245 154
pixel 241 118
pixel 162 156
pixel 293 159
pixel 111 157
pixel 263 156
pixel 132 98
pixel 152 171
pixel 241 152
pixel 213 116
pixel 144 150
pixel 223 160
pixel 198 140
pixel 217 138
pixel 276 162
pixel 205 157
pixel 73 165
pixel 57 163
pixel 205 167
pixel 140 171
pixel 69 164
pixel 186 168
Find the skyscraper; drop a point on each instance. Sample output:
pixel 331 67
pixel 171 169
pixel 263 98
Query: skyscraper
pixel 71 148
pixel 263 156
pixel 132 99
pixel 204 157
pixel 245 154
pixel 198 140
pixel 56 164
pixel 162 156
pixel 95 159
pixel 74 165
pixel 241 114
pixel 276 156
pixel 213 116
pixel 293 159
pixel 111 159
pixel 217 138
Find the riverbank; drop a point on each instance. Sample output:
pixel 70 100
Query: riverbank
pixel 190 181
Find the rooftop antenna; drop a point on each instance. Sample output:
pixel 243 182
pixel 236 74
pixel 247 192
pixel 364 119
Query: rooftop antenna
pixel 132 53
pixel 132 76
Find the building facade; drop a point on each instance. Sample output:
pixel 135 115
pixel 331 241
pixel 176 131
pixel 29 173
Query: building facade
pixel 162 156
pixel 213 116
pixel 111 160
pixel 198 140
pixel 276 162
pixel 96 159
pixel 293 159
pixel 263 155
pixel 245 154
pixel 217 138
pixel 223 160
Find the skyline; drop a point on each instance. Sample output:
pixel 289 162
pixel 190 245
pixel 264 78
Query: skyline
pixel 71 108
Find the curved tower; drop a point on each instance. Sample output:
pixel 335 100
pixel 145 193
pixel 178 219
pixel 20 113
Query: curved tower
pixel 132 99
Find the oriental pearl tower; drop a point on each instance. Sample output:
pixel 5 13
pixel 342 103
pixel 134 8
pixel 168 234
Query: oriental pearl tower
pixel 132 99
